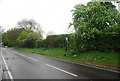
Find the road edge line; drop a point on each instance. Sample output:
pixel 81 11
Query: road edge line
pixel 6 66
pixel 62 70
pixel 26 56
pixel 101 68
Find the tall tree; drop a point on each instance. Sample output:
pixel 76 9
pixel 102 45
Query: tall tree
pixel 96 19
pixel 27 38
pixel 30 24
pixel 10 37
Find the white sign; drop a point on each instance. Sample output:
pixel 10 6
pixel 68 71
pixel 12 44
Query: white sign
pixel 119 6
pixel 66 38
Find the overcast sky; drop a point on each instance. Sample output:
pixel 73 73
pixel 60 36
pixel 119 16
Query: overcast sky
pixel 53 15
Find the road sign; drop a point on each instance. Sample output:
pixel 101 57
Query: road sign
pixel 1 69
pixel 118 6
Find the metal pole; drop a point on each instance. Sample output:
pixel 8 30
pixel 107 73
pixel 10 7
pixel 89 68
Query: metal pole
pixel 66 38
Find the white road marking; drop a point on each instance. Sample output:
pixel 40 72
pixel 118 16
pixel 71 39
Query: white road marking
pixel 62 70
pixel 32 58
pixel 21 54
pixel 6 66
pixel 15 52
pixel 26 56
pixel 85 65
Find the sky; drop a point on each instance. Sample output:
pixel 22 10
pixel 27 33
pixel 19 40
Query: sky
pixel 52 15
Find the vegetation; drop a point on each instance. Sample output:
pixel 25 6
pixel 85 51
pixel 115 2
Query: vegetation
pixel 27 38
pixel 97 28
pixel 55 41
pixel 97 33
pixel 30 24
pixel 105 0
pixel 97 58
pixel 25 35
pixel 9 38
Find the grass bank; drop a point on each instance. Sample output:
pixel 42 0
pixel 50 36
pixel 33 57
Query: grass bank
pixel 108 60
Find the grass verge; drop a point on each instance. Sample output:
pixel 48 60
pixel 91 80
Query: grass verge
pixel 100 59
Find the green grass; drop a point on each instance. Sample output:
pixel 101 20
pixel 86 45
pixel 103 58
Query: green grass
pixel 94 57
pixel 58 52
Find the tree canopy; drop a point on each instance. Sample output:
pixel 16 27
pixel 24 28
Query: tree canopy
pixel 27 38
pixel 10 37
pixel 94 23
pixel 30 24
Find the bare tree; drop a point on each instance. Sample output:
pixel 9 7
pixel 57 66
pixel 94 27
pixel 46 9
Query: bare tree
pixel 50 33
pixel 30 24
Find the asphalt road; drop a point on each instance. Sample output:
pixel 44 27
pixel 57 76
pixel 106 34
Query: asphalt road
pixel 22 65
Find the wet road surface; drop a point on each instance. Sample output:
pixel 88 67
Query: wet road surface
pixel 22 65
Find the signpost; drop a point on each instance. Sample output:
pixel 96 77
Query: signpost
pixel 66 38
